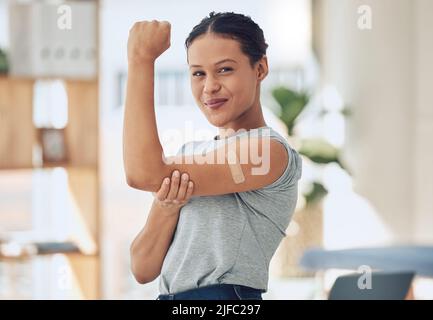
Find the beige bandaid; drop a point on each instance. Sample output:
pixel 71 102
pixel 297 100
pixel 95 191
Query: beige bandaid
pixel 235 167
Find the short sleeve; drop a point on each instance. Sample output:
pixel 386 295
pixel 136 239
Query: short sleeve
pixel 292 172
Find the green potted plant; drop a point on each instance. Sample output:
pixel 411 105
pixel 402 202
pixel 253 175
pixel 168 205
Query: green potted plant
pixel 319 151
pixel 306 227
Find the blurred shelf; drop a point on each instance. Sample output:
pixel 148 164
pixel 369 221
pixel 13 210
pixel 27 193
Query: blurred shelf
pixel 19 136
pixel 15 251
pixel 62 209
pixel 80 189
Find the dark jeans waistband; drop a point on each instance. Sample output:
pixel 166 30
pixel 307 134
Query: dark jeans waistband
pixel 216 292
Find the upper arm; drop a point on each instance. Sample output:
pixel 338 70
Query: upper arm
pixel 261 160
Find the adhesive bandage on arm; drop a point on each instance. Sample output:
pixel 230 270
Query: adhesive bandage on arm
pixel 235 167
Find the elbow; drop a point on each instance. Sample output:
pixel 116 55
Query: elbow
pixel 141 270
pixel 134 179
pixel 145 180
pixel 133 182
pixel 144 184
pixel 143 278
pixel 141 274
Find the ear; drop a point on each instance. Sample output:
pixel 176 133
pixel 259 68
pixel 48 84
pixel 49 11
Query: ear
pixel 262 68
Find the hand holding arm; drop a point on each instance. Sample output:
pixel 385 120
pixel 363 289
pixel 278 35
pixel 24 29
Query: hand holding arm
pixel 150 247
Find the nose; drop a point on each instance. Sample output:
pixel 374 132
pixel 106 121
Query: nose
pixel 211 85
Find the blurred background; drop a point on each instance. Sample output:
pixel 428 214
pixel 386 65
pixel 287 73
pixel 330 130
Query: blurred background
pixel 350 87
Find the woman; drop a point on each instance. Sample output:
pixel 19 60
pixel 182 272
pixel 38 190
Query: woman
pixel 216 223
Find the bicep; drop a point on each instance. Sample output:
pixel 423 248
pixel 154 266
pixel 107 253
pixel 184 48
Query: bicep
pixel 246 164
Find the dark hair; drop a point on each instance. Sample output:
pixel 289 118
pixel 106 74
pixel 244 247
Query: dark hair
pixel 235 26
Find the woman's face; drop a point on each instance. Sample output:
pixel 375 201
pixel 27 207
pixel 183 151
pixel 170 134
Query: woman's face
pixel 220 70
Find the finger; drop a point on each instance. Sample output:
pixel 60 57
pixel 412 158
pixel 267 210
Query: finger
pixel 161 195
pixel 189 191
pixel 174 186
pixel 183 186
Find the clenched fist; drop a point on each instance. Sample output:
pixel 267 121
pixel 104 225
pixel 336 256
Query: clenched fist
pixel 148 40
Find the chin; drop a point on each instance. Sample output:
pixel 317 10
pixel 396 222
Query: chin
pixel 217 123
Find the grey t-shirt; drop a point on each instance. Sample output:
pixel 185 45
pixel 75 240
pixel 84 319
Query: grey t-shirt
pixel 231 238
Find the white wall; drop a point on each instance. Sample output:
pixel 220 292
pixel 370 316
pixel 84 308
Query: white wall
pixel 423 153
pixel 385 76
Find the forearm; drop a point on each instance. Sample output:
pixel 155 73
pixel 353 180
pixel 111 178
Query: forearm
pixel 150 247
pixel 142 150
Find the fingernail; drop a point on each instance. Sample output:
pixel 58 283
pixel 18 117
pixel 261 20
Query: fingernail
pixel 176 173
pixel 185 176
pixel 190 184
pixel 166 180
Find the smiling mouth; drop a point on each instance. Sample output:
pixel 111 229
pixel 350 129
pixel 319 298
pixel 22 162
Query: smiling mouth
pixel 215 105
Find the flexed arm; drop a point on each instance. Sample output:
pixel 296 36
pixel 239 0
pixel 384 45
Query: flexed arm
pixel 142 150
pixel 144 161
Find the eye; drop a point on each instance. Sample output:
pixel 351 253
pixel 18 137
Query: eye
pixel 197 74
pixel 226 68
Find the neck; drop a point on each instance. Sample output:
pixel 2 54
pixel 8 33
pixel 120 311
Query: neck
pixel 250 119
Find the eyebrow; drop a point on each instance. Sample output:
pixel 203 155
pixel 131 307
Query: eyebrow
pixel 219 62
